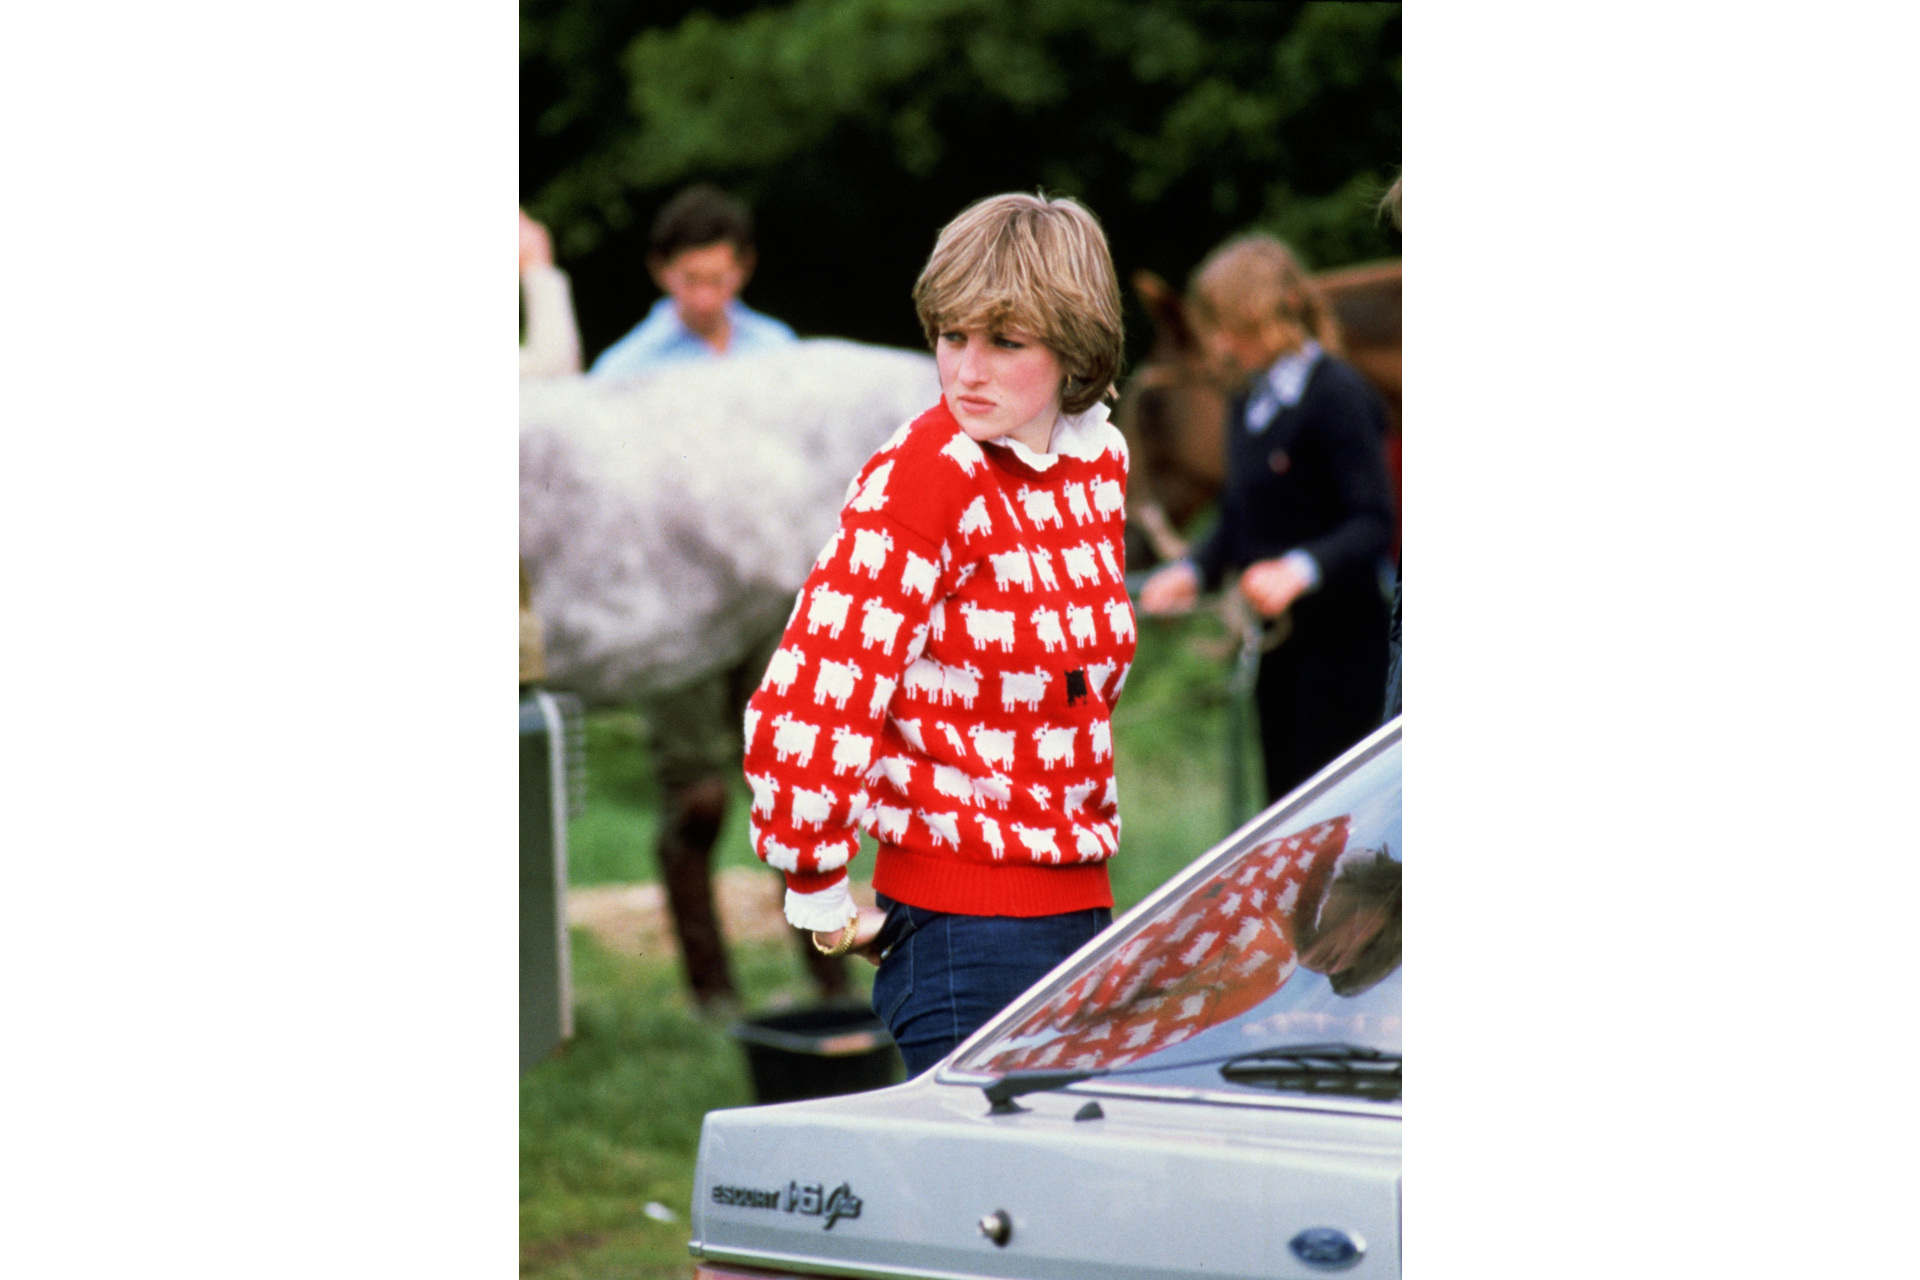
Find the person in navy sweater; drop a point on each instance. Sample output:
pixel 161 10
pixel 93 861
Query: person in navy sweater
pixel 1306 517
pixel 946 679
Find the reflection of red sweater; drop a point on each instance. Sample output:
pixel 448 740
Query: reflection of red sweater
pixel 945 680
pixel 1214 953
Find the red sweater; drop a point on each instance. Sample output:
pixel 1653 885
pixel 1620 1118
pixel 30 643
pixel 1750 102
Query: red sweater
pixel 946 679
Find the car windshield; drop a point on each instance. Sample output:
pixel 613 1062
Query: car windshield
pixel 1287 938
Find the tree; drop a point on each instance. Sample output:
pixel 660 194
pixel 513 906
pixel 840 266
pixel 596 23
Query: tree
pixel 856 128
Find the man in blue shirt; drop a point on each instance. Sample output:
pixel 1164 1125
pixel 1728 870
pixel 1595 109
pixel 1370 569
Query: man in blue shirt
pixel 701 255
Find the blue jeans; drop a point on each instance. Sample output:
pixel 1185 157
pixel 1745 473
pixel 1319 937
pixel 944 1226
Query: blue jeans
pixel 943 976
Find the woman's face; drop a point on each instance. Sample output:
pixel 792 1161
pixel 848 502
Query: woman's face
pixel 1241 348
pixel 1000 383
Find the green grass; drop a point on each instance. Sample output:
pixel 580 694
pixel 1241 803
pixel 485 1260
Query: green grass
pixel 611 841
pixel 613 1121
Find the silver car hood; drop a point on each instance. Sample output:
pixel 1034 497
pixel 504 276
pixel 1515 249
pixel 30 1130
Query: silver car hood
pixel 895 1183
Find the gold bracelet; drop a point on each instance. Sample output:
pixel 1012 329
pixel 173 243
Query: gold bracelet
pixel 848 932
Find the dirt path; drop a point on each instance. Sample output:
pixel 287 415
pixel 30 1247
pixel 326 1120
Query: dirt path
pixel 631 919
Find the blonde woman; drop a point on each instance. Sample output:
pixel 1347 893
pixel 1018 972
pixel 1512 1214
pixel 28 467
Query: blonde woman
pixel 945 681
pixel 1307 513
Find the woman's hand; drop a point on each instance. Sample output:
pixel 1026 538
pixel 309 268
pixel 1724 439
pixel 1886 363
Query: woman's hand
pixel 866 927
pixel 1172 589
pixel 1271 585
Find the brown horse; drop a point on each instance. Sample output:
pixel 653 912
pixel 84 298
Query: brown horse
pixel 1173 409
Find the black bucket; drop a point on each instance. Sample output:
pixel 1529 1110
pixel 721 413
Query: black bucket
pixel 817 1052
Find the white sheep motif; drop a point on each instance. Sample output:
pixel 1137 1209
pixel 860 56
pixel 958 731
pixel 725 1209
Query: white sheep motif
pixel 919 577
pixel 994 746
pixel 883 687
pixel 898 438
pixel 988 626
pixel 1108 499
pixel 1056 744
pixel 1040 507
pixel 1087 845
pixel 954 736
pixel 1039 841
pixel 924 678
pixel 779 856
pixel 1080 624
pixel 765 792
pixel 897 770
pixel 1080 565
pixel 793 738
pixel 782 668
pixel 836 681
pixel 916 643
pixel 1113 566
pixel 1077 503
pixel 1102 735
pixel 812 808
pixel 851 751
pixel 870 547
pixel 888 823
pixel 1024 686
pixel 962 682
pixel 995 789
pixel 910 730
pixel 964 452
pixel 990 832
pixel 1047 626
pixel 829 610
pixel 1120 618
pixel 1076 795
pixel 1043 565
pixel 879 625
pixel 1097 673
pixel 944 826
pixel 975 520
pixel 1012 568
pixel 953 783
pixel 831 857
pixel 873 494
pixel 752 725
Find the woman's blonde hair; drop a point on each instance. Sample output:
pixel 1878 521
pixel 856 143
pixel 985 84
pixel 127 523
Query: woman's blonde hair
pixel 1026 262
pixel 1254 281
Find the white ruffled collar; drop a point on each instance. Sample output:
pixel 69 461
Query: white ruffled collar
pixel 1075 435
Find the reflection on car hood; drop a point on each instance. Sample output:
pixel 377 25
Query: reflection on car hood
pixel 896 1182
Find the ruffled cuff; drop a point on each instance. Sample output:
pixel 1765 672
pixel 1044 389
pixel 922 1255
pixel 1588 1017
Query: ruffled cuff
pixel 822 912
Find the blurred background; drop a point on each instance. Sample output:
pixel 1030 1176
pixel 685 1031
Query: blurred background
pixel 855 129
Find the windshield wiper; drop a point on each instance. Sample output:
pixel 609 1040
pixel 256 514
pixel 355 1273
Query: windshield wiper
pixel 1319 1068
pixel 1002 1092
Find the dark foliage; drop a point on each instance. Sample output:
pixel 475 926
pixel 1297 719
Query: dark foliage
pixel 856 128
